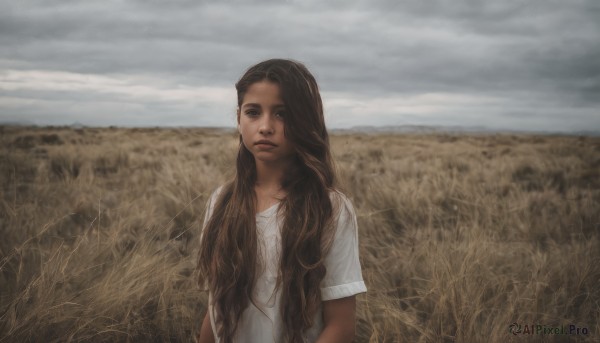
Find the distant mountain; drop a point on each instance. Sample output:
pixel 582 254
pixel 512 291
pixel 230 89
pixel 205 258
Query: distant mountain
pixel 453 129
pixel 586 133
pixel 18 123
pixel 77 125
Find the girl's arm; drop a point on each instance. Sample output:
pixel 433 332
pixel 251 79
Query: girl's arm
pixel 338 320
pixel 206 334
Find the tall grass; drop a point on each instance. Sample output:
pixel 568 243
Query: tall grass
pixel 460 236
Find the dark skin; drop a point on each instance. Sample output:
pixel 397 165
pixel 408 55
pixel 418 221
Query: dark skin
pixel 339 317
pixel 205 335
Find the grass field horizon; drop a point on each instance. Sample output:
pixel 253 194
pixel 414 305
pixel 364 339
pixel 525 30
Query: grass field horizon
pixel 461 235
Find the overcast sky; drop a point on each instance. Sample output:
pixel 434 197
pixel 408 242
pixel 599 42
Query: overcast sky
pixel 515 64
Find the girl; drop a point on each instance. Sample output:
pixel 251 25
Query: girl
pixel 279 248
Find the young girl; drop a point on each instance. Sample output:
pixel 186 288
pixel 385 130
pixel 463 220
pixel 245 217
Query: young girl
pixel 279 246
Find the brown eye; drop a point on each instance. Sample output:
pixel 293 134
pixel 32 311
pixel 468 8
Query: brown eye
pixel 251 113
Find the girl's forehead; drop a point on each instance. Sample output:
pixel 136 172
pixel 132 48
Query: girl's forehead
pixel 263 91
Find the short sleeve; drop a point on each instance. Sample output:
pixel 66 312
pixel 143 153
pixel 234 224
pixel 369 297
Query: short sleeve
pixel 343 277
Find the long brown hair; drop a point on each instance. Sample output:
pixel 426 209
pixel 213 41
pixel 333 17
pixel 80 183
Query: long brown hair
pixel 228 257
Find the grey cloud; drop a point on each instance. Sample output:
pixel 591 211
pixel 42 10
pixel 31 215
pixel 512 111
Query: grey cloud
pixel 528 53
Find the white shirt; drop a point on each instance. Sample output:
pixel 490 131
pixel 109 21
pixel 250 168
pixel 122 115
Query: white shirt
pixel 343 277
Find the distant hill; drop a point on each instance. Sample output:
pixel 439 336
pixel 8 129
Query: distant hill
pixel 372 130
pixel 17 123
pixel 77 125
pixel 453 129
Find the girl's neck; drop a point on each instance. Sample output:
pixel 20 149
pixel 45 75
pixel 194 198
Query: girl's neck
pixel 269 177
pixel 268 187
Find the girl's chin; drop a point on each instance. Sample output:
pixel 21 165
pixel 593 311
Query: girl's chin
pixel 269 157
pixel 264 158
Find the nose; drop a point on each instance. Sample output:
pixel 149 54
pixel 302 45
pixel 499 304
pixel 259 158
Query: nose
pixel 266 124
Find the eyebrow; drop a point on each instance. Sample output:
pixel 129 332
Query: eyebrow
pixel 258 106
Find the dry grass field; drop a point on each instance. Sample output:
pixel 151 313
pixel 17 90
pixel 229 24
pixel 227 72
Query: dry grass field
pixel 460 235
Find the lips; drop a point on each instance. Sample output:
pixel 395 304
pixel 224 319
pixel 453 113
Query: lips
pixel 264 141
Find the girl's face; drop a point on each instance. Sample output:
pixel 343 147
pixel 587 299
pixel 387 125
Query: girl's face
pixel 261 117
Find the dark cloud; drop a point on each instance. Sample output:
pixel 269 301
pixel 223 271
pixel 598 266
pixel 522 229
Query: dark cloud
pixel 528 55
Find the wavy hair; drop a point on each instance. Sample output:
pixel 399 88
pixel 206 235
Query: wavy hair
pixel 228 257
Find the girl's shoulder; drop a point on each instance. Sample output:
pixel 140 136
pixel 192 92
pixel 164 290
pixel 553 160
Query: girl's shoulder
pixel 212 199
pixel 342 205
pixel 215 193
